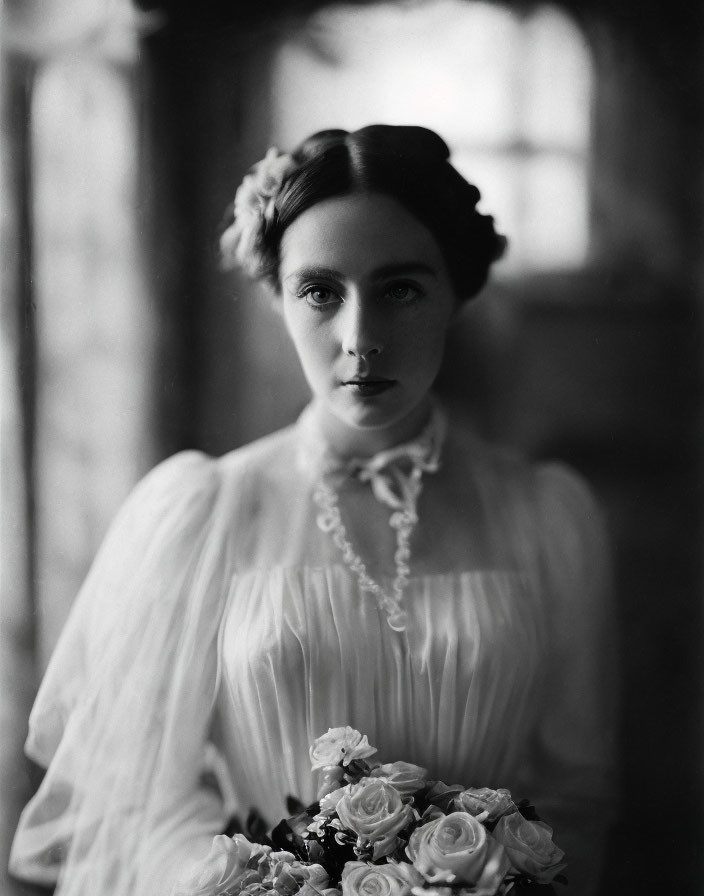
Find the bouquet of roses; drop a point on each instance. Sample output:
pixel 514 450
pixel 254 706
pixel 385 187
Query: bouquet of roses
pixel 385 830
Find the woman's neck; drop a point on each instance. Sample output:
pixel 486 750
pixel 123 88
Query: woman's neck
pixel 350 441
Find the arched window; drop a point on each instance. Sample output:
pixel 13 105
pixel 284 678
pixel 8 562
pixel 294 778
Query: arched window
pixel 509 91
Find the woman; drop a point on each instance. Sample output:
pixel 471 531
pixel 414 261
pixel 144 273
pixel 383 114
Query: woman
pixel 373 565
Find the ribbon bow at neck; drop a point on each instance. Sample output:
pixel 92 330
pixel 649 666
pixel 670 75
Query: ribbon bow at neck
pixel 395 474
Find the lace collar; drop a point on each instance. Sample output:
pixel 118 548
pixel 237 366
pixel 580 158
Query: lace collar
pixel 393 473
pixel 396 479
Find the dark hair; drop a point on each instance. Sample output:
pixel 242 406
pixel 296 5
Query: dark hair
pixel 409 164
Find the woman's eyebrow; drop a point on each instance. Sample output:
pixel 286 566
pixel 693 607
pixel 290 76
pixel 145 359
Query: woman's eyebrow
pixel 394 269
pixel 312 273
pixel 404 267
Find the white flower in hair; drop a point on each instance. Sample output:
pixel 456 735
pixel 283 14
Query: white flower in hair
pixel 254 209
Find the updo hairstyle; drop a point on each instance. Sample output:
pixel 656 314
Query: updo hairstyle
pixel 409 164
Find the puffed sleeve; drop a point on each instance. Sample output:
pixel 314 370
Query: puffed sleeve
pixel 573 762
pixel 122 718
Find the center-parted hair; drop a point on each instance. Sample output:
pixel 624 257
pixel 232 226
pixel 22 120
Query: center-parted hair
pixel 411 165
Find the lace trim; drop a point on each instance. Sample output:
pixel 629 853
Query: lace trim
pixel 396 479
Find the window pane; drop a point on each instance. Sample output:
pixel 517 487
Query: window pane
pixel 447 65
pixel 555 212
pixel 94 326
pixel 558 81
pixel 510 93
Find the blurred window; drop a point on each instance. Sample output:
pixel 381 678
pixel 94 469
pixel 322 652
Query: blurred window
pixel 509 91
pixel 94 321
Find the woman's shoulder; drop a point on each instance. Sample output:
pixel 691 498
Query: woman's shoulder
pixel 502 457
pixel 265 455
pixel 181 486
pixel 193 472
pixel 544 512
pixel 548 488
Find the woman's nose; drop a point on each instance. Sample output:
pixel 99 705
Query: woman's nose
pixel 361 335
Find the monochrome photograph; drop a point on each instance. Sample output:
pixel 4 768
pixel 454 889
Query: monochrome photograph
pixel 352 437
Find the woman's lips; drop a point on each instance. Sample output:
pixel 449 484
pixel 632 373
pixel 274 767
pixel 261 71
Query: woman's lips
pixel 368 386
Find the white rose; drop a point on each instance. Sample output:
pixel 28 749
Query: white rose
pixel 309 890
pixel 288 876
pixel 361 879
pixel 457 849
pixel 339 745
pixel 328 803
pixel 405 777
pixel 529 847
pixel 375 812
pixel 232 864
pixel 478 800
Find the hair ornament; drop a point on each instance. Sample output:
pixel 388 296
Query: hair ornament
pixel 407 162
pixel 254 208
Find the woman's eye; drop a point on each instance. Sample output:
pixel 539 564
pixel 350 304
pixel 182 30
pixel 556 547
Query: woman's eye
pixel 401 292
pixel 319 297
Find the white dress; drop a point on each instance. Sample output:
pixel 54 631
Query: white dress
pixel 219 629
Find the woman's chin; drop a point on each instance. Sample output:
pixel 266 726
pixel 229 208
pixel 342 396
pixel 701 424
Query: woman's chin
pixel 372 422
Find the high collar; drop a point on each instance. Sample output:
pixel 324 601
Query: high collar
pixel 393 473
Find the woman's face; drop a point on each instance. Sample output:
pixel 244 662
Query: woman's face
pixel 367 300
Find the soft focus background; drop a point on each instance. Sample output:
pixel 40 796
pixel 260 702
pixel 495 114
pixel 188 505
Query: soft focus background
pixel 125 130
